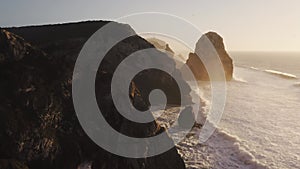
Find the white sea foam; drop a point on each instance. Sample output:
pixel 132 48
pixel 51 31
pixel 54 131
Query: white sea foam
pixel 231 152
pixel 281 74
pixel 297 84
pixel 254 68
pixel 264 115
pixel 259 127
pixel 222 150
pixel 239 79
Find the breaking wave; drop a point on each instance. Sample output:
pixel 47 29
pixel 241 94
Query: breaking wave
pixel 222 150
pixel 281 74
pixel 254 68
pixel 230 151
pixel 238 79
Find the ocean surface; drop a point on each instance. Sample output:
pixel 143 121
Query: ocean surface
pixel 260 127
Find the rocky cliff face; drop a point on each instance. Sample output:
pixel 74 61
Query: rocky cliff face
pixel 64 42
pixel 38 125
pixel 197 65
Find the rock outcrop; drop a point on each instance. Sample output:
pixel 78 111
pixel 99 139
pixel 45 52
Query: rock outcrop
pixel 159 44
pixel 38 125
pixel 202 49
pixel 186 118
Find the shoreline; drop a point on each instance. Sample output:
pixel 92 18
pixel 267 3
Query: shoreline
pixel 222 150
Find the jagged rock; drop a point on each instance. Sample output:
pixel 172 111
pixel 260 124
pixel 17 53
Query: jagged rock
pixel 38 125
pixel 31 119
pixel 197 66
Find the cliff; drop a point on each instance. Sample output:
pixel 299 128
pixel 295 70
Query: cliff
pixel 64 42
pixel 39 128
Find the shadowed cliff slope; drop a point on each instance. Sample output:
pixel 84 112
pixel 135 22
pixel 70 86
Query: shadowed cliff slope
pixel 38 125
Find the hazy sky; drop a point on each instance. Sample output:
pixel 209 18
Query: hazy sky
pixel 256 25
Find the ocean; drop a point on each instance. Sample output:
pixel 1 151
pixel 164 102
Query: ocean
pixel 260 126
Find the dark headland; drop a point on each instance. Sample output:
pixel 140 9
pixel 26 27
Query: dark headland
pixel 39 127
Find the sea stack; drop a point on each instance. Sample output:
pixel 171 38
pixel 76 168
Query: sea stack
pixel 197 66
